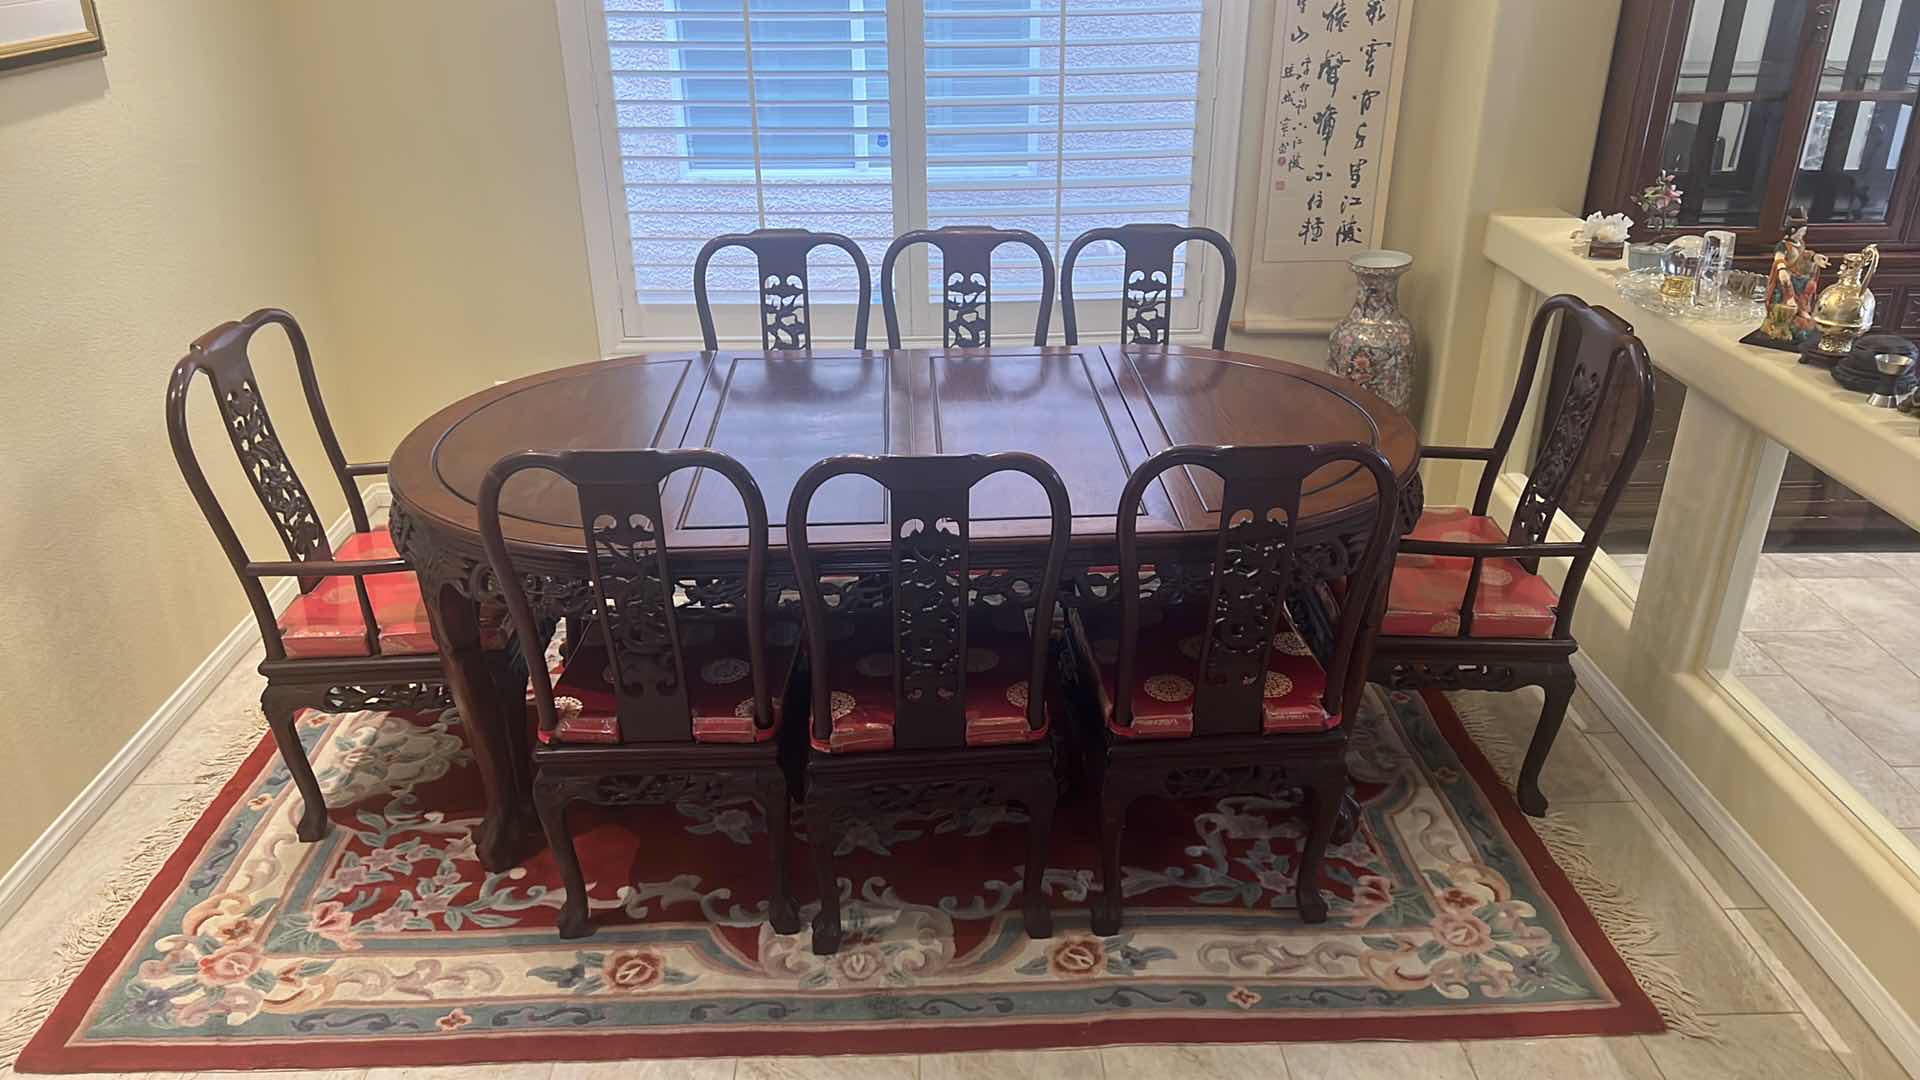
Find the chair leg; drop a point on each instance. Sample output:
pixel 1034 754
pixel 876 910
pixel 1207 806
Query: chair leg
pixel 282 706
pixel 1041 793
pixel 822 839
pixel 1325 791
pixel 770 788
pixel 1559 687
pixel 1115 797
pixel 550 800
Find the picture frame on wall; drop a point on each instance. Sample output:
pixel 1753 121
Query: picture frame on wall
pixel 36 32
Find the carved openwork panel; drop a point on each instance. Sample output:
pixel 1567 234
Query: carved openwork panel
pixel 640 789
pixel 784 312
pixel 967 310
pixel 930 603
pixel 1146 307
pixel 1444 676
pixel 1252 572
pixel 409 696
pixel 633 604
pixel 1558 456
pixel 269 469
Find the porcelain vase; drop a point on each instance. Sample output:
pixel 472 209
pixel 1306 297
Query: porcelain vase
pixel 1373 345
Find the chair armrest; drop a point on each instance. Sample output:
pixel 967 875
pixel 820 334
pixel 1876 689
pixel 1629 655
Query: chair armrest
pixel 326 568
pixel 1471 550
pixel 1458 453
pixel 367 468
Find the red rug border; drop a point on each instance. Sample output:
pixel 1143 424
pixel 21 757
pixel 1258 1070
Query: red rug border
pixel 47 1052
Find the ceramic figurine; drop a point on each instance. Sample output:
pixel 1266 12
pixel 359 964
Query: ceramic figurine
pixel 1373 345
pixel 1792 285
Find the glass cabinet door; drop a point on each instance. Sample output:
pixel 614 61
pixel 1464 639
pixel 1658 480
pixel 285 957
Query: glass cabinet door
pixel 1861 110
pixel 1731 107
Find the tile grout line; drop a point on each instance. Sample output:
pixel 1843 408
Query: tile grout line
pixel 1662 828
pixel 1794 988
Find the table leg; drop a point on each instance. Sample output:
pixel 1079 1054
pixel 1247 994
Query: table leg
pixel 494 727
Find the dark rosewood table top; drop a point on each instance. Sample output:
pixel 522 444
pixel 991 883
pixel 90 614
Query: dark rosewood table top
pixel 1092 411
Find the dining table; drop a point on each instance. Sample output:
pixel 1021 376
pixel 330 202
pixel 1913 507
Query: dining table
pixel 1094 412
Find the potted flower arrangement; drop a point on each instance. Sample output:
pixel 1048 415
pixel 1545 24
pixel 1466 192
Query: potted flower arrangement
pixel 1659 204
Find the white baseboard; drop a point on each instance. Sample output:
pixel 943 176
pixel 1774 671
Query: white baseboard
pixel 1899 1031
pixel 146 743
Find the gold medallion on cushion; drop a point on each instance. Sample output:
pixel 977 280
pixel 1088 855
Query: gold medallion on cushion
pixel 744 710
pixel 1169 688
pixel 1278 685
pixel 1498 576
pixel 1017 694
pixel 725 670
pixel 839 704
pixel 1290 643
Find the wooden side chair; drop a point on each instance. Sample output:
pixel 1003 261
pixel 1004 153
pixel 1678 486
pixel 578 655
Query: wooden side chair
pixel 357 636
pixel 1146 297
pixel 966 276
pixel 1468 609
pixel 941 696
pixel 654 703
pixel 786 307
pixel 1226 698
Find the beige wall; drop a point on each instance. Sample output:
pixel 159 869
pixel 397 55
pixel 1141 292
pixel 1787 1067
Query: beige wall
pixel 144 197
pixel 436 132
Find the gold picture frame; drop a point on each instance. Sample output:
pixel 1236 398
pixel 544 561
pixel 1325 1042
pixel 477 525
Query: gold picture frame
pixel 36 32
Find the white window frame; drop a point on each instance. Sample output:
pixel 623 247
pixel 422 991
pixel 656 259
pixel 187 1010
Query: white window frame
pixel 626 326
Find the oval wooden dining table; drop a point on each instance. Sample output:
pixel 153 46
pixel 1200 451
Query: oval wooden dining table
pixel 1094 412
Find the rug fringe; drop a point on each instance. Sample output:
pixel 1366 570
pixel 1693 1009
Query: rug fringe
pixel 89 934
pixel 1616 910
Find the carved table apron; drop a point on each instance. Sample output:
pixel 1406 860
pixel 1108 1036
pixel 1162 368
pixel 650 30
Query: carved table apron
pixel 1094 412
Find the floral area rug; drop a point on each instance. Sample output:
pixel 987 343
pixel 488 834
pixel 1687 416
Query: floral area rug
pixel 388 944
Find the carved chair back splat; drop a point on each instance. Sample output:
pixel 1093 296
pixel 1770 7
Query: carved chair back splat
pixel 785 301
pixel 1253 570
pixel 1609 387
pixel 362 677
pixel 966 276
pixel 928 525
pixel 631 609
pixel 1146 297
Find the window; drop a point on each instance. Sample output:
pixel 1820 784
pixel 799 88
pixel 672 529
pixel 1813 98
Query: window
pixel 694 118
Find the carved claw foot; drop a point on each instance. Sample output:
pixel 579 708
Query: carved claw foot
pixel 1039 920
pixel 1313 906
pixel 313 823
pixel 826 934
pixel 1106 917
pixel 573 921
pixel 1531 801
pixel 783 916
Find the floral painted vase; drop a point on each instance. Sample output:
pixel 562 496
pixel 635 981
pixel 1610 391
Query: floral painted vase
pixel 1373 345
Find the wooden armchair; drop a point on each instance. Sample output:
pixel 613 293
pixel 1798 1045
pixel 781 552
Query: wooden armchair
pixel 357 636
pixel 938 696
pixel 1468 609
pixel 1226 698
pixel 661 704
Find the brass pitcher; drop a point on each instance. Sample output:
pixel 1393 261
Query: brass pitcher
pixel 1844 310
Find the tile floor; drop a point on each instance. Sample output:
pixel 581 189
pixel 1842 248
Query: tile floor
pixel 1778 1013
pixel 1831 643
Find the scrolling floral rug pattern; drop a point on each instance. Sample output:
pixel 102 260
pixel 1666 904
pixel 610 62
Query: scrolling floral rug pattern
pixel 388 944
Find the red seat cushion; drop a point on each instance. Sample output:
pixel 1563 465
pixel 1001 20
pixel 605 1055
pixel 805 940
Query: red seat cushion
pixel 1168 663
pixel 325 620
pixel 714 655
pixel 860 679
pixel 1424 599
